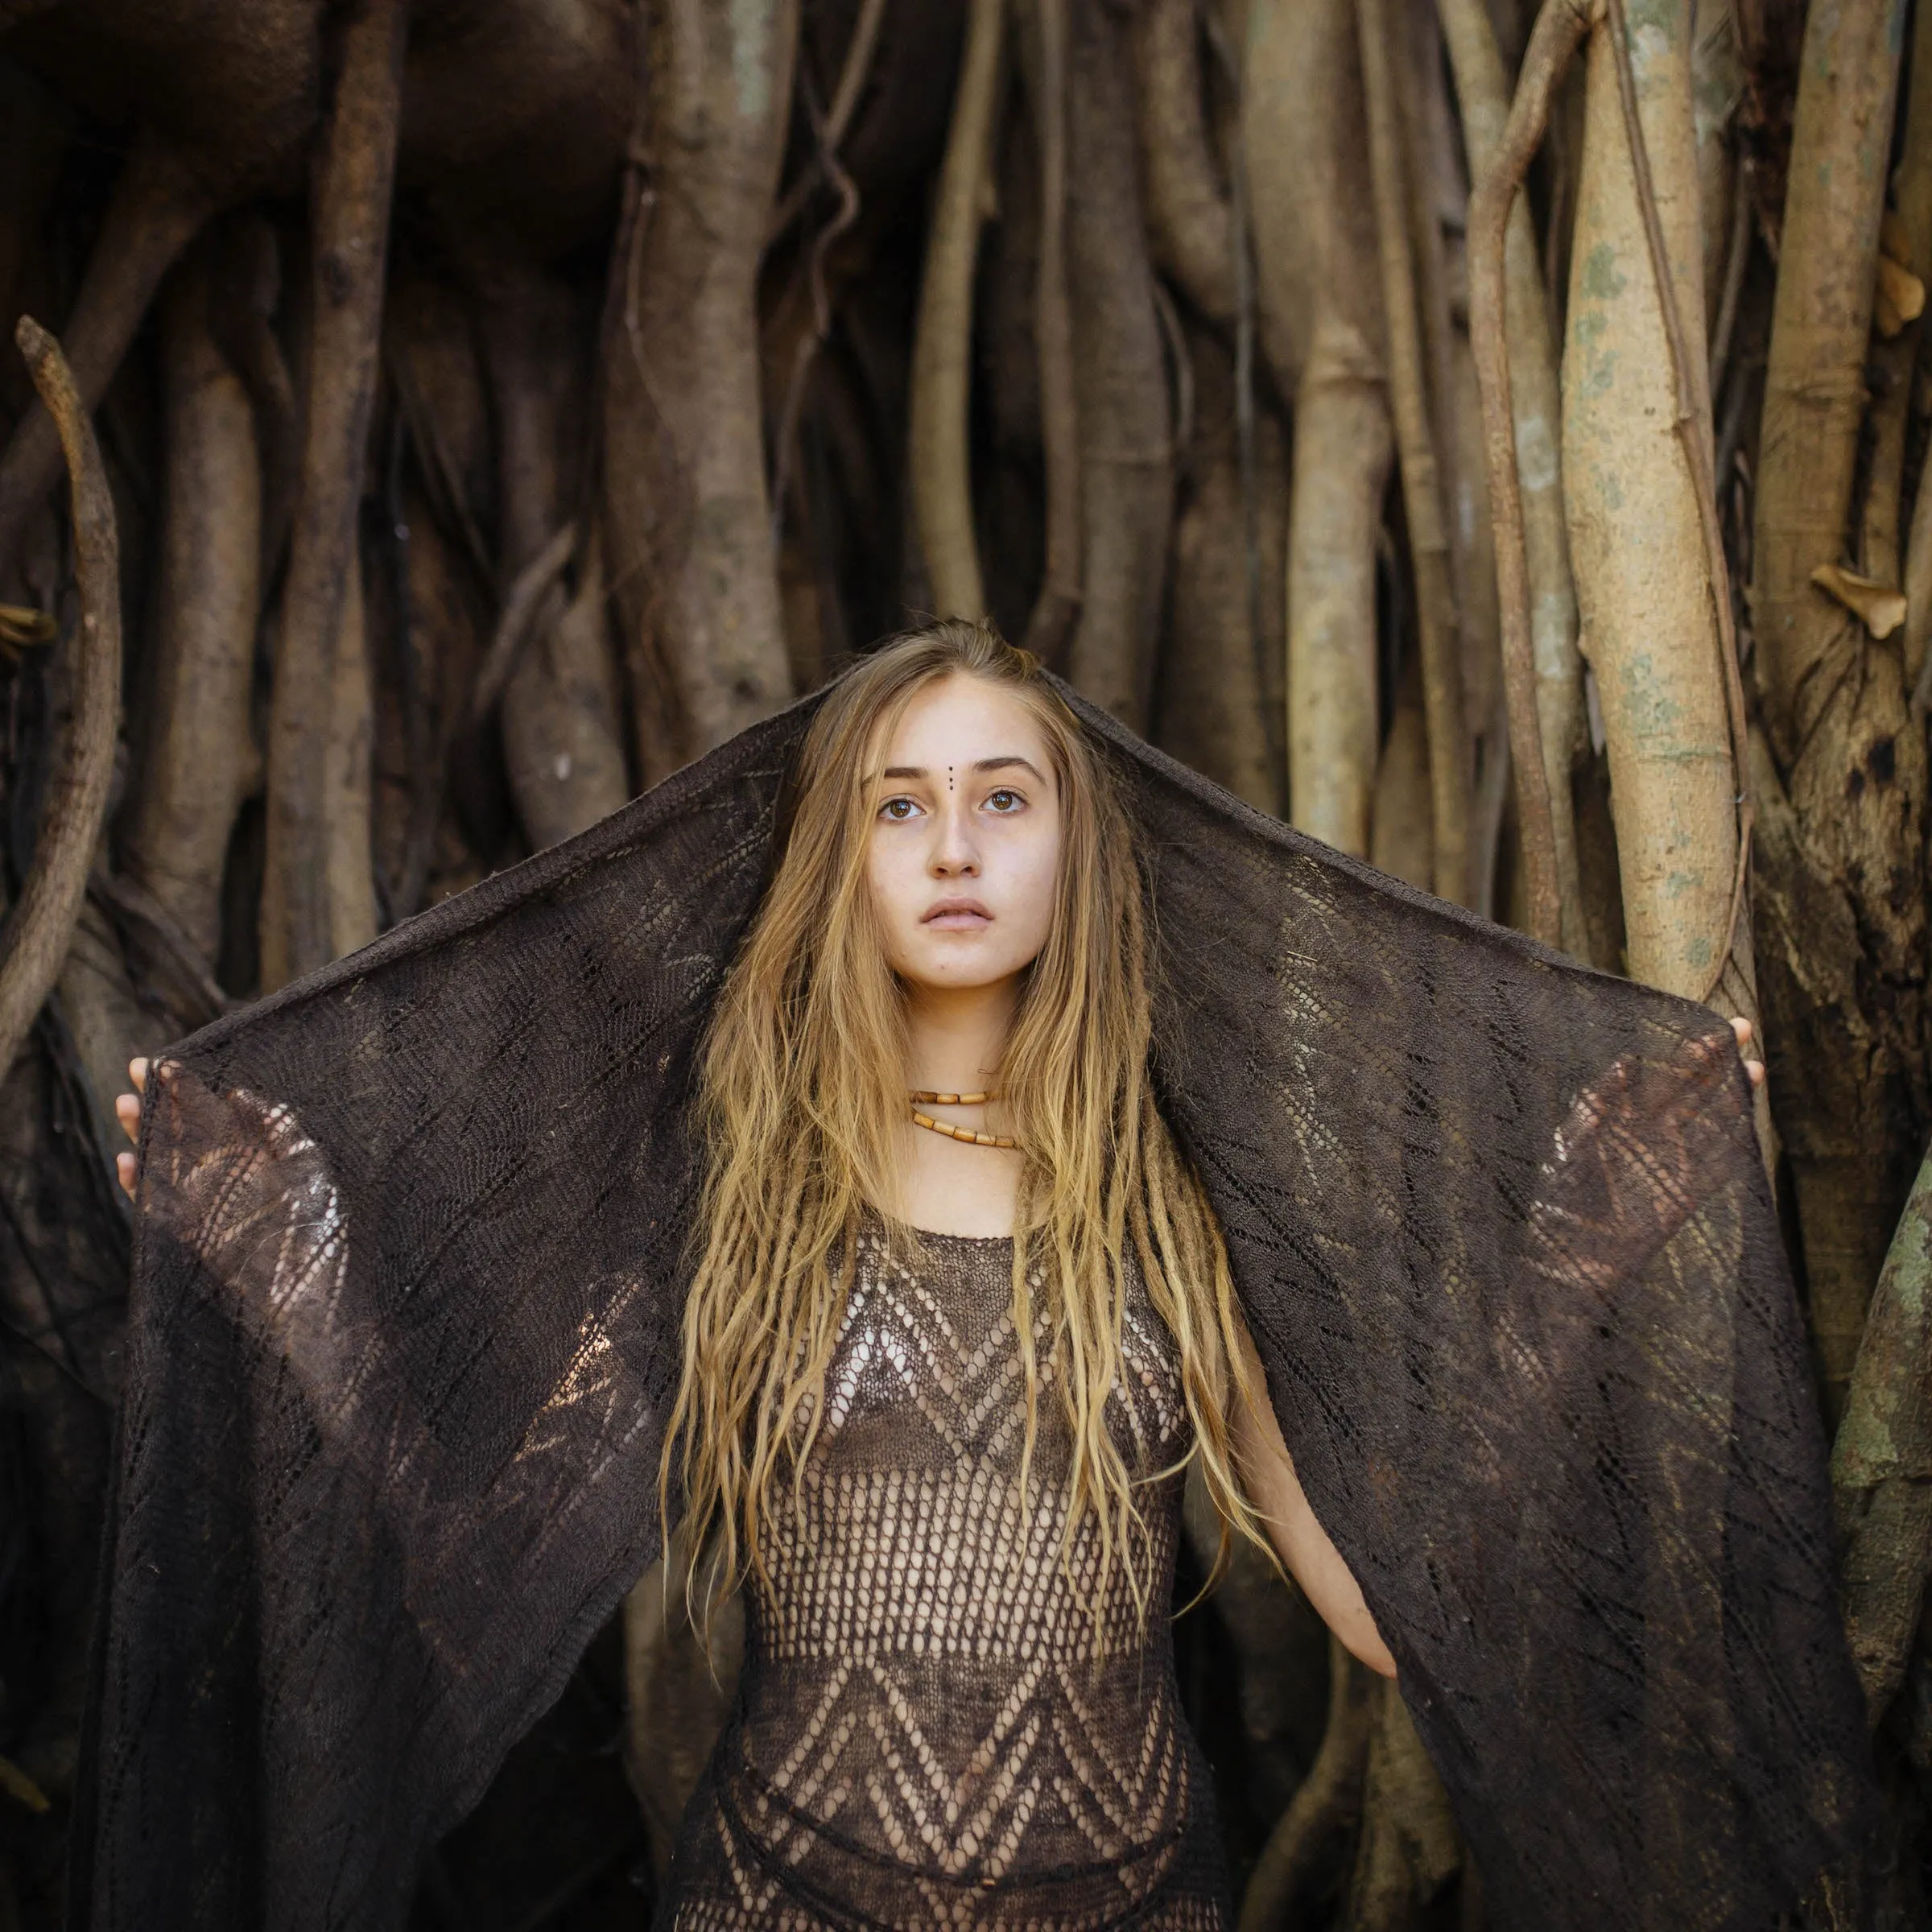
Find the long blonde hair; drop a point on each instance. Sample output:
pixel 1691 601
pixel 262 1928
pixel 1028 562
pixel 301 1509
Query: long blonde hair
pixel 802 1104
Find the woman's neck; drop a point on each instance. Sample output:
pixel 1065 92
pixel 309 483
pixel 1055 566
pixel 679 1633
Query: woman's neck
pixel 956 1035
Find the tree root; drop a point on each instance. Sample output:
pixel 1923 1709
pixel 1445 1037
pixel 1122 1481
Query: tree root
pixel 1190 216
pixel 157 209
pixel 939 467
pixel 35 944
pixel 356 175
pixel 1449 740
pixel 1690 425
pixel 1058 607
pixel 1560 26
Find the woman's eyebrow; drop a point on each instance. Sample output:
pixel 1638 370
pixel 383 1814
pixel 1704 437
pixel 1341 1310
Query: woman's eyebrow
pixel 999 764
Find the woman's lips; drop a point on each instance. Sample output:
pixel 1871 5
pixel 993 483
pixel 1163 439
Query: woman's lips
pixel 958 915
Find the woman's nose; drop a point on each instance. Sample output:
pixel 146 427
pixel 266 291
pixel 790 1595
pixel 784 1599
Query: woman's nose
pixel 953 852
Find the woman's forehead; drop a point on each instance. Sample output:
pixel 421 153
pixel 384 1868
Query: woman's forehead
pixel 962 721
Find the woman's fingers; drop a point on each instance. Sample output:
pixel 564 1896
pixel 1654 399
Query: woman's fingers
pixel 127 1111
pixel 1754 1069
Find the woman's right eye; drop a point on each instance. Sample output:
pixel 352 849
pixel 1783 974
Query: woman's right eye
pixel 900 809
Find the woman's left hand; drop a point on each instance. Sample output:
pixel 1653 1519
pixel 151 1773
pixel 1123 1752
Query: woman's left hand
pixel 1754 1068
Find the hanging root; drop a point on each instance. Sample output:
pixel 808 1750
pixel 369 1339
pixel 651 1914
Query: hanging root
pixel 158 208
pixel 36 936
pixel 351 237
pixel 1058 606
pixel 1559 28
pixel 1190 218
pixel 1421 471
pixel 938 461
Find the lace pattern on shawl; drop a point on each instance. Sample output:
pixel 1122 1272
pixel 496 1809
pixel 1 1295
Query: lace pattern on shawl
pixel 1498 1223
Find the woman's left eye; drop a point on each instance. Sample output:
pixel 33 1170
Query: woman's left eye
pixel 1003 800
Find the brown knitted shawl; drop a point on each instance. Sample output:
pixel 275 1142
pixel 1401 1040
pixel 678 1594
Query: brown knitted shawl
pixel 408 1277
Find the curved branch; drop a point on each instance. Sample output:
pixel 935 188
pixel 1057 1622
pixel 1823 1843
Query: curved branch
pixel 942 351
pixel 1559 28
pixel 36 940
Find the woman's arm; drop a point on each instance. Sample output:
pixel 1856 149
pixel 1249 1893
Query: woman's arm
pixel 1268 1473
pixel 1273 1487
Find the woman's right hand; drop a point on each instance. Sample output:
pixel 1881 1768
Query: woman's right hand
pixel 127 1111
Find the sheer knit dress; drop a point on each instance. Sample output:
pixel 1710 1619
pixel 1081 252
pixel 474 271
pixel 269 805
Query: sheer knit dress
pixel 925 1735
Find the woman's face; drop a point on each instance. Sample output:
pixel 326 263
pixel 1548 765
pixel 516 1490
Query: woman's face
pixel 964 851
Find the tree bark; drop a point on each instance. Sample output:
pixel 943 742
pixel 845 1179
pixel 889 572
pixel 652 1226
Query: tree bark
pixel 1210 713
pixel 563 743
pixel 1846 991
pixel 1881 1462
pixel 1327 1803
pixel 1046 53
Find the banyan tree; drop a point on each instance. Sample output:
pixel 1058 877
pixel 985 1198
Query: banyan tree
pixel 1492 437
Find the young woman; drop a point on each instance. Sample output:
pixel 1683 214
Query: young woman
pixel 960 1315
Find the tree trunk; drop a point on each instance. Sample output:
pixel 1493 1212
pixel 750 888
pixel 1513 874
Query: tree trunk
pixel 1189 221
pixel 1418 446
pixel 1642 573
pixel 1881 1463
pixel 688 524
pixel 1121 381
pixel 1846 991
pixel 1320 310
pixel 1210 713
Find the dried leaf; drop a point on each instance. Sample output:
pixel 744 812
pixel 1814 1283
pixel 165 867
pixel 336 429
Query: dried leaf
pixel 22 627
pixel 1901 297
pixel 1879 607
pixel 16 1784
